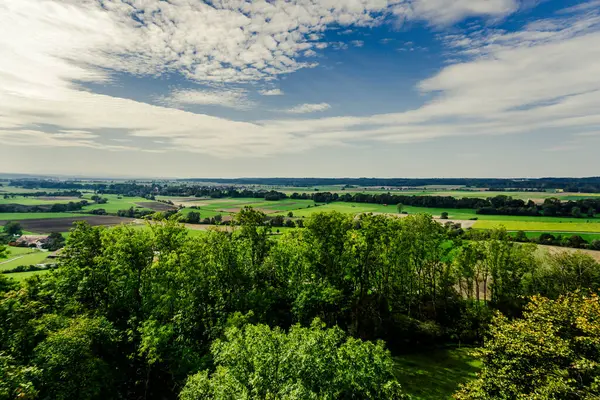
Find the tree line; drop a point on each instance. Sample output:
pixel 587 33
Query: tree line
pixel 56 207
pixel 153 313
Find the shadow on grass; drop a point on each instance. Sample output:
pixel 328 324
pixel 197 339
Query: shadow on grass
pixel 436 374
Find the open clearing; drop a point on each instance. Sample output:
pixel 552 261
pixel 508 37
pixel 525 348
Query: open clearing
pixel 436 375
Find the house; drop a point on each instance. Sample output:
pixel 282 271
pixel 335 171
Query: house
pixel 31 241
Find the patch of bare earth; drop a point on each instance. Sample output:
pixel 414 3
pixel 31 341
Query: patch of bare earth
pixel 49 225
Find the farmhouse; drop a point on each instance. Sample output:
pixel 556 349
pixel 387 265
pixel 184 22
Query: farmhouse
pixel 31 241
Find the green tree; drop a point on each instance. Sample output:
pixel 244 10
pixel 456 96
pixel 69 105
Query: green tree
pixel 399 207
pixel 257 362
pixel 566 272
pixel 193 217
pixel 17 381
pixel 444 215
pixel 70 360
pixel 13 228
pixel 553 352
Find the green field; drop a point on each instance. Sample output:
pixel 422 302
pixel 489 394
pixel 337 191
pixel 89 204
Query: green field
pixel 35 201
pixel 115 203
pixel 516 225
pixel 41 215
pixel 21 276
pixel 18 256
pixel 436 375
pixel 589 237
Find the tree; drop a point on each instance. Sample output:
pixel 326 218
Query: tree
pixel 444 215
pixel 291 214
pixel 399 207
pixel 55 241
pixel 71 363
pixel 257 362
pixel 566 272
pixel 13 228
pixel 552 353
pixel 576 212
pixel 193 217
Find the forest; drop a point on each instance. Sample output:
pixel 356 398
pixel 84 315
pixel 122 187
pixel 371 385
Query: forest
pixel 315 313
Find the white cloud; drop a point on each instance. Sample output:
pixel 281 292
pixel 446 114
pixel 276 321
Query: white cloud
pixel 271 92
pixel 232 98
pixel 358 43
pixel 444 12
pixel 539 78
pixel 308 108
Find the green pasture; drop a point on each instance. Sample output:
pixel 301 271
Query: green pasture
pixel 18 256
pixel 589 237
pixel 519 225
pixel 115 203
pixel 40 215
pixel 33 201
pixel 21 276
pixel 436 374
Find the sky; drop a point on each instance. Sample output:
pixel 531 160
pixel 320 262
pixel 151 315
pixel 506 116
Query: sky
pixel 300 88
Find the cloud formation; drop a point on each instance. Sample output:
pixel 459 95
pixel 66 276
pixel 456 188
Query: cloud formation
pixel 271 92
pixel 232 98
pixel 542 77
pixel 308 108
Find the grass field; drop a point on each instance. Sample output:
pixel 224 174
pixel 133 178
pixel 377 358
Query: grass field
pixel 516 225
pixel 21 276
pixel 35 201
pixel 23 216
pixel 436 375
pixel 586 236
pixel 18 256
pixel 115 203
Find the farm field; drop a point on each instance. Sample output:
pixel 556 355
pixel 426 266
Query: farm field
pixel 436 375
pixel 48 225
pixel 35 201
pixel 26 216
pixel 518 225
pixel 18 256
pixel 534 235
pixel 115 203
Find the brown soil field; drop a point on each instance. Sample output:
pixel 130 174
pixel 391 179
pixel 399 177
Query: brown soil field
pixel 156 206
pixel 49 225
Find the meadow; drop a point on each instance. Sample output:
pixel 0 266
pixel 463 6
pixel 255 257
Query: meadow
pixel 436 374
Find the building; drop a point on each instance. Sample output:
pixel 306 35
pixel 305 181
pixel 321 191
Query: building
pixel 31 241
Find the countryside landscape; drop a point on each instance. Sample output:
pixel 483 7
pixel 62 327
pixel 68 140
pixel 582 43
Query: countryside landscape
pixel 299 200
pixel 533 236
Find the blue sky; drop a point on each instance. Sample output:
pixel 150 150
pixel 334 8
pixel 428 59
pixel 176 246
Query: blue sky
pixel 233 88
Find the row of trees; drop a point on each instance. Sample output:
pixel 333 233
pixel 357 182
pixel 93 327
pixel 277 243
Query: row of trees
pixel 133 313
pixel 57 207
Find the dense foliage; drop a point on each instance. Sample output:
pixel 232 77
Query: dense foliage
pixel 551 353
pixel 256 362
pixel 136 313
